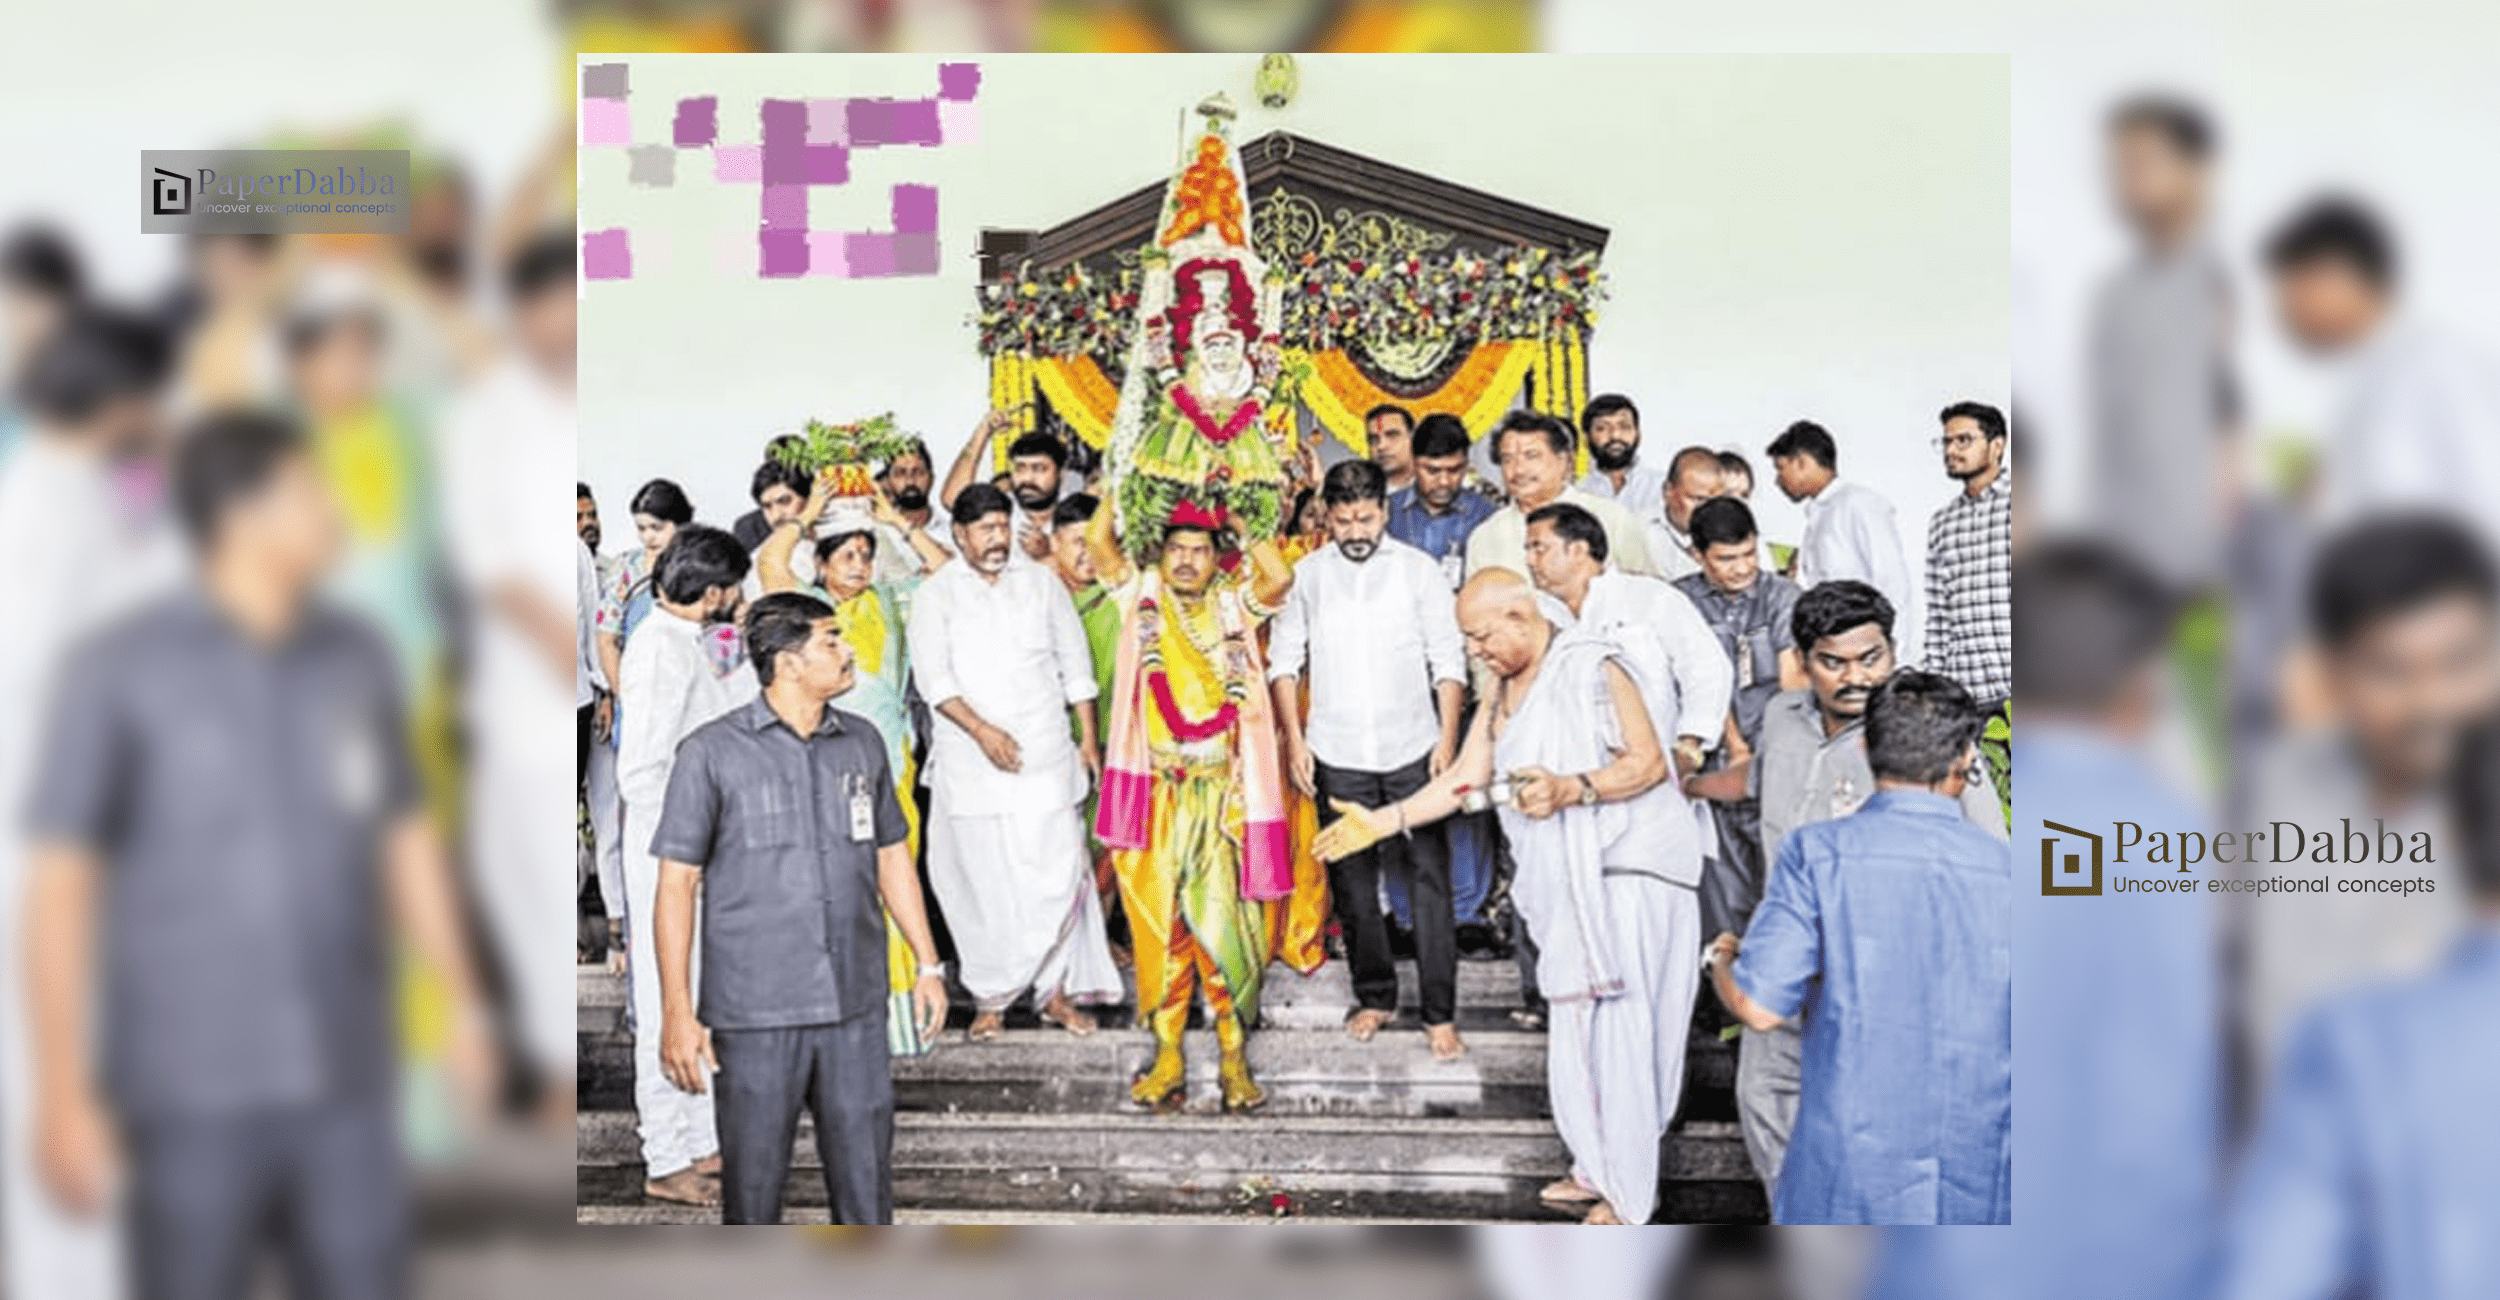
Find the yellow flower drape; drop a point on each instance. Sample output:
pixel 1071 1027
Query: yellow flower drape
pixel 1484 385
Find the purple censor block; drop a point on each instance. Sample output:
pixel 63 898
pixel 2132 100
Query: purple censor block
pixel 785 122
pixel 959 81
pixel 915 209
pixel 870 256
pixel 864 120
pixel 828 164
pixel 913 121
pixel 916 254
pixel 785 207
pixel 698 122
pixel 606 255
pixel 784 252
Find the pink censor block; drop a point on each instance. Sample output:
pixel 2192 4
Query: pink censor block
pixel 959 121
pixel 785 207
pixel 606 121
pixel 738 162
pixel 828 121
pixel 784 252
pixel 698 122
pixel 828 164
pixel 871 256
pixel 959 81
pixel 606 255
pixel 825 254
pixel 915 209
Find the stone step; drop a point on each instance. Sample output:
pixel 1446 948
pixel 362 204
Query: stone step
pixel 1436 1169
pixel 660 1214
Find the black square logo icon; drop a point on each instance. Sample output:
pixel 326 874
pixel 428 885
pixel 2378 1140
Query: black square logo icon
pixel 2049 885
pixel 170 194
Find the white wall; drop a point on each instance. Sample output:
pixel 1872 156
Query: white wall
pixel 1820 237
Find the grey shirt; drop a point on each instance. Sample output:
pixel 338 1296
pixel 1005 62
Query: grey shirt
pixel 237 795
pixel 1803 776
pixel 786 829
pixel 1753 626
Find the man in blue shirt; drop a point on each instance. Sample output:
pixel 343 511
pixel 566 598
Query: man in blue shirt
pixel 1896 922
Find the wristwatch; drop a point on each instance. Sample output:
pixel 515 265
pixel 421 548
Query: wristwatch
pixel 934 968
pixel 1588 791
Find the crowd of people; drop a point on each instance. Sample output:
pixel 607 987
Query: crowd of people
pixel 1597 726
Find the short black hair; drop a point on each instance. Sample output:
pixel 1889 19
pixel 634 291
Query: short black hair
pixel 1078 509
pixel 1038 443
pixel 1990 420
pixel 226 458
pixel 39 259
pixel 1831 608
pixel 2335 228
pixel 1688 456
pixel 978 501
pixel 1215 536
pixel 97 357
pixel 306 330
pixel 2474 794
pixel 1733 462
pixel 1301 502
pixel 1557 434
pixel 543 262
pixel 2392 565
pixel 662 499
pixel 773 471
pixel 1389 408
pixel 2183 125
pixel 2092 617
pixel 1918 725
pixel 1605 404
pixel 1722 521
pixel 1441 434
pixel 1572 524
pixel 784 620
pixel 582 492
pixel 696 560
pixel 1806 438
pixel 826 546
pixel 1349 481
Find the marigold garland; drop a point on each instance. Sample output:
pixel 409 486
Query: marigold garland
pixel 1209 194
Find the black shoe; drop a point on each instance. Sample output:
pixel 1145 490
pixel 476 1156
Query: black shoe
pixel 1478 942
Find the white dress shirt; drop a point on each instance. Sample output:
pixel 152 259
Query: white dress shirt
pixel 503 438
pixel 1643 495
pixel 1015 651
pixel 1651 617
pixel 587 677
pixel 1502 539
pixel 2419 427
pixel 1850 534
pixel 1376 637
pixel 665 689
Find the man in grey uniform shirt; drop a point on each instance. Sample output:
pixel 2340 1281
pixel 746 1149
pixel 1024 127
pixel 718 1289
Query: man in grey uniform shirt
pixel 782 815
pixel 1811 766
pixel 225 811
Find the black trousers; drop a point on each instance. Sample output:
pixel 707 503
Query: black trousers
pixel 1422 861
pixel 322 1183
pixel 841 1075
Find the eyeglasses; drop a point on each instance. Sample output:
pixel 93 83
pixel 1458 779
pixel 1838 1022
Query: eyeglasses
pixel 1955 442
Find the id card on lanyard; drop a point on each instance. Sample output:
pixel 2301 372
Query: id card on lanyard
pixel 863 822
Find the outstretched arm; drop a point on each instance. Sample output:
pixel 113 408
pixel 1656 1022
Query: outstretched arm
pixel 1358 828
pixel 1102 541
pixel 976 449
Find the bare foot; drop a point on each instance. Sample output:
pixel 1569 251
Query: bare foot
pixel 1568 1190
pixel 685 1187
pixel 708 1166
pixel 1445 1042
pixel 1063 1013
pixel 1602 1213
pixel 1364 1023
pixel 986 1027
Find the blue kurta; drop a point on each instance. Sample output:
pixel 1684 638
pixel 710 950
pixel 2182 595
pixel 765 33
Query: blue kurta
pixel 1895 924
pixel 2376 1166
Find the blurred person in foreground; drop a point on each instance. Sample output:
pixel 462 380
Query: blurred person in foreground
pixel 2376 1164
pixel 1850 532
pixel 215 924
pixel 2419 422
pixel 1970 558
pixel 1588 801
pixel 41 282
pixel 1811 766
pixel 504 442
pixel 1896 922
pixel 86 552
pixel 781 817
pixel 2117 998
pixel 2405 610
pixel 2158 340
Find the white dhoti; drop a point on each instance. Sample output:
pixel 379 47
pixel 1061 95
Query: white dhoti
pixel 1017 890
pixel 1614 1067
pixel 607 830
pixel 676 1126
pixel 523 861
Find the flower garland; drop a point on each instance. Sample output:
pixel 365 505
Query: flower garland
pixel 1159 684
pixel 1187 403
pixel 1188 300
pixel 1209 194
pixel 1521 293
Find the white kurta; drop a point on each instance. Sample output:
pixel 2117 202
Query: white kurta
pixel 665 689
pixel 1007 850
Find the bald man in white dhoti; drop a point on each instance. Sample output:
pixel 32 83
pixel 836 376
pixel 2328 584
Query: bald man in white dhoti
pixel 1608 861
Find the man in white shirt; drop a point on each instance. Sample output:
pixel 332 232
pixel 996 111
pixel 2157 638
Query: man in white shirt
pixel 84 554
pixel 1694 476
pixel 1002 659
pixel 1037 476
pixel 1850 531
pixel 682 668
pixel 1534 451
pixel 1618 472
pixel 1652 620
pixel 1372 622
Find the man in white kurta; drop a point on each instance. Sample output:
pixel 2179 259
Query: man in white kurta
pixel 999 653
pixel 676 674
